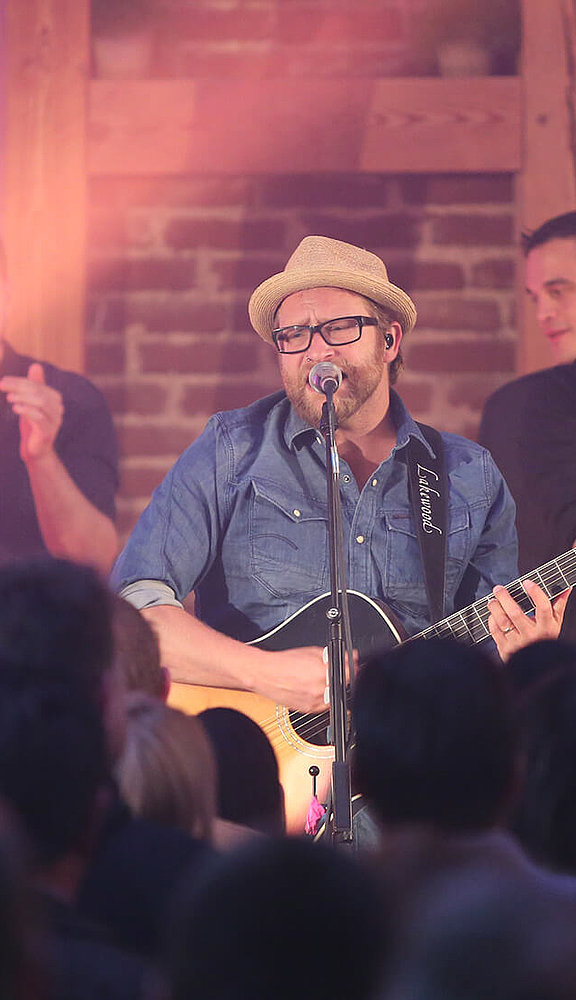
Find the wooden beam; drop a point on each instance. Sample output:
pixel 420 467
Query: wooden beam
pixel 443 126
pixel 547 183
pixel 148 127
pixel 47 45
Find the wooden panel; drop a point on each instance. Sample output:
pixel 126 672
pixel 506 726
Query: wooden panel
pixel 387 125
pixel 448 125
pixel 45 176
pixel 547 184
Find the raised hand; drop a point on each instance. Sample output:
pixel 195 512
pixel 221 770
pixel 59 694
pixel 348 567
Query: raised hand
pixel 40 410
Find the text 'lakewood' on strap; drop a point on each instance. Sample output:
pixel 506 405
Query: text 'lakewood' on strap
pixel 429 498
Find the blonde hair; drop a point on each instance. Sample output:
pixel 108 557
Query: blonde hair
pixel 167 771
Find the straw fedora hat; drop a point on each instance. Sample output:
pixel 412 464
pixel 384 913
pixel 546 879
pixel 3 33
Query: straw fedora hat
pixel 320 262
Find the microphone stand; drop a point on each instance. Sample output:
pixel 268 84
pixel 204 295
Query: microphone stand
pixel 341 824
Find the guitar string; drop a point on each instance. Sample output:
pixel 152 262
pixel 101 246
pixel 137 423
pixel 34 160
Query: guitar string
pixel 309 726
pixel 552 579
pixel 312 725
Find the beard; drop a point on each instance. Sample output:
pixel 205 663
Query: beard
pixel 358 385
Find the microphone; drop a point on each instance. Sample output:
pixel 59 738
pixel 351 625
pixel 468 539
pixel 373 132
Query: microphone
pixel 325 377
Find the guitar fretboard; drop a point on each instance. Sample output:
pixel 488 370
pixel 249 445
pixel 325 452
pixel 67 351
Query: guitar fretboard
pixel 471 624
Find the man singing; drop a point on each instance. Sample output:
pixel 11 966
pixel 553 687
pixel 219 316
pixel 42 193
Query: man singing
pixel 242 517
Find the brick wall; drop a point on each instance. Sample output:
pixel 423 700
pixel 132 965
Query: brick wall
pixel 173 261
pixel 261 38
pixel 291 37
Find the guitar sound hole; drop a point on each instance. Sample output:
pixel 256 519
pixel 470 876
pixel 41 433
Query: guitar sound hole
pixel 311 728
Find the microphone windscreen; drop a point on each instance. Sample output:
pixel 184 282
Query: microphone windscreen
pixel 325 376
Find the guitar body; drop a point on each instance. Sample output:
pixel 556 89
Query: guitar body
pixel 299 741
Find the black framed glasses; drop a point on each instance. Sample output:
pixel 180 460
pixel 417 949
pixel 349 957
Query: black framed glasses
pixel 335 332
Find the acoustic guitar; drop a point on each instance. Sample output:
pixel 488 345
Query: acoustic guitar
pixel 299 740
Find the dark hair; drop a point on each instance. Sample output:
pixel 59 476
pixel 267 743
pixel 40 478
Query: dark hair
pixel 22 963
pixel 480 932
pixel 435 739
pixel 53 761
pixel 545 815
pixel 55 623
pixel 560 227
pixel 538 661
pixel 242 929
pixel 136 650
pixel 249 789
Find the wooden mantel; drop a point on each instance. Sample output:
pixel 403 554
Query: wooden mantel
pixel 301 125
pixel 61 127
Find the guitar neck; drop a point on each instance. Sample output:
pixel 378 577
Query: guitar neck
pixel 471 624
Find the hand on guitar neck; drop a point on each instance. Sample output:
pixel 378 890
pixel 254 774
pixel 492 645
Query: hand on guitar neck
pixel 512 629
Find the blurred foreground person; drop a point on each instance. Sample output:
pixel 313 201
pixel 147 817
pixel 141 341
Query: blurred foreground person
pixel 437 761
pixel 167 771
pixel 54 775
pixel 137 653
pixel 544 819
pixel 477 935
pixel 24 957
pixel 249 789
pixel 56 629
pixel 244 930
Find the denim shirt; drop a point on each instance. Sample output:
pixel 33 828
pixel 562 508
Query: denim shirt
pixel 242 519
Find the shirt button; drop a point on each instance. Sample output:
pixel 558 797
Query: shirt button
pixel 346 479
pixel 359 539
pixel 297 513
pixel 374 482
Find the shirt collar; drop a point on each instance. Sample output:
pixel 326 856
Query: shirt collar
pixel 297 431
pixel 406 426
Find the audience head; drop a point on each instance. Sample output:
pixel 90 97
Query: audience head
pixel 545 815
pixel 167 771
pixel 56 628
pixel 136 651
pixel 435 739
pixel 538 661
pixel 249 789
pixel 53 767
pixel 55 623
pixel 474 935
pixel 283 917
pixel 23 971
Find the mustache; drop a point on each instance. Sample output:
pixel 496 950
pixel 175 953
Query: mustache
pixel 345 371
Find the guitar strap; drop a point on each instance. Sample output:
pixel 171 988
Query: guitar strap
pixel 428 488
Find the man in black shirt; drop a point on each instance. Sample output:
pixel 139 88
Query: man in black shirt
pixel 529 424
pixel 58 462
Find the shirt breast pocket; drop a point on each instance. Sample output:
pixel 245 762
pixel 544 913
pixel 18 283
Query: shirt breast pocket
pixel 288 542
pixel 404 569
